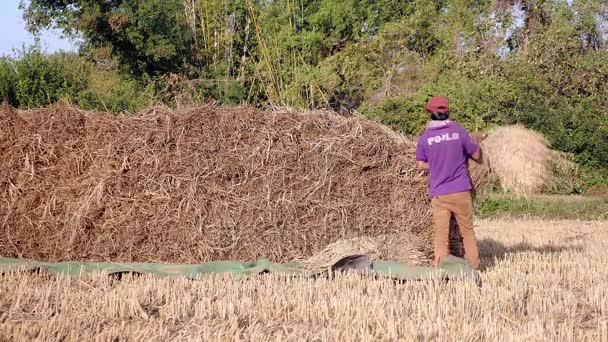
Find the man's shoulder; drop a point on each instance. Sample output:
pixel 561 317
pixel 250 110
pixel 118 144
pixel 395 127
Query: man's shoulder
pixel 423 134
pixel 459 126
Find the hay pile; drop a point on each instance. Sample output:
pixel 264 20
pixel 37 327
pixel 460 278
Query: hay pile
pixel 405 246
pixel 518 157
pixel 202 184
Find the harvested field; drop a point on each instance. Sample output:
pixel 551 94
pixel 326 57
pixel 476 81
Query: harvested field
pixel 543 281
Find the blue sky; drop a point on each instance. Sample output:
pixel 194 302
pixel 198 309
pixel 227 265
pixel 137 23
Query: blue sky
pixel 13 33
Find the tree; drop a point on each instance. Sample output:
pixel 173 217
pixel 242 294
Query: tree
pixel 148 36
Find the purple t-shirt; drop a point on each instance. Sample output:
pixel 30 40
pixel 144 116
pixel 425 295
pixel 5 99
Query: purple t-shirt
pixel 446 146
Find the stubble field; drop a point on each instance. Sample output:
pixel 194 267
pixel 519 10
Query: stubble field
pixel 542 281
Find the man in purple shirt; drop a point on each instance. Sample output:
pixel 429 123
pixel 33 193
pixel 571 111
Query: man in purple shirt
pixel 444 149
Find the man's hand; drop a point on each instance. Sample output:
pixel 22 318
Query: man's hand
pixel 476 138
pixel 422 165
pixel 477 156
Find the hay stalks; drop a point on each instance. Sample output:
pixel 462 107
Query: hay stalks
pixel 550 287
pixel 403 247
pixel 199 184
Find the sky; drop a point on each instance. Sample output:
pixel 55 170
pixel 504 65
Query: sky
pixel 13 33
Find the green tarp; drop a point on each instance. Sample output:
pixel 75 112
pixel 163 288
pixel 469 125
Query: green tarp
pixel 453 268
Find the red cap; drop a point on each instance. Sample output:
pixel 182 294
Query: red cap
pixel 438 104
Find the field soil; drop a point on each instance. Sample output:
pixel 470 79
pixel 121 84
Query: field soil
pixel 542 281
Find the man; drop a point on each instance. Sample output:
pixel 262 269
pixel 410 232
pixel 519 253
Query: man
pixel 444 149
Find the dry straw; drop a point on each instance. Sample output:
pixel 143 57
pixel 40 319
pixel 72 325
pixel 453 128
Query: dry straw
pixel 519 158
pixel 403 247
pixel 201 184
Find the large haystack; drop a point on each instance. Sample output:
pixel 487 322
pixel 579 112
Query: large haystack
pixel 213 183
pixel 202 184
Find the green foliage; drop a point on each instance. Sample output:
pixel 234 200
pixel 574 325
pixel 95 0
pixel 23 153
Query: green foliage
pixel 110 91
pixel 543 64
pixel 148 36
pixel 594 178
pixel 404 114
pixel 34 79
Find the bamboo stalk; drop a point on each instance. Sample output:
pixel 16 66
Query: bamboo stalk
pixel 274 91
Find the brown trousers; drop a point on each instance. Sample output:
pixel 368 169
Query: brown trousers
pixel 461 205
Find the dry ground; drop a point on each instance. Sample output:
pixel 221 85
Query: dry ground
pixel 544 281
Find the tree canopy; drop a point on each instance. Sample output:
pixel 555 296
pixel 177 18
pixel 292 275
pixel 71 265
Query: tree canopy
pixel 541 63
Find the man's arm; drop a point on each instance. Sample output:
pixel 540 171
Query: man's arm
pixel 422 160
pixel 474 143
pixel 477 156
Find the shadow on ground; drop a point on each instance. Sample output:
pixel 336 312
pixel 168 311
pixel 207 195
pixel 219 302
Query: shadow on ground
pixel 492 251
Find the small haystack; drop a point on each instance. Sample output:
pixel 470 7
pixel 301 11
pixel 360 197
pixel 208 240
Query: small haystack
pixel 518 157
pixel 404 247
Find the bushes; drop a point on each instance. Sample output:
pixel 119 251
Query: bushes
pixel 404 114
pixel 33 79
pixel 108 90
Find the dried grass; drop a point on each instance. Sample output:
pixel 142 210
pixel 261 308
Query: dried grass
pixel 480 172
pixel 519 158
pixel 403 247
pixel 565 173
pixel 541 284
pixel 201 184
